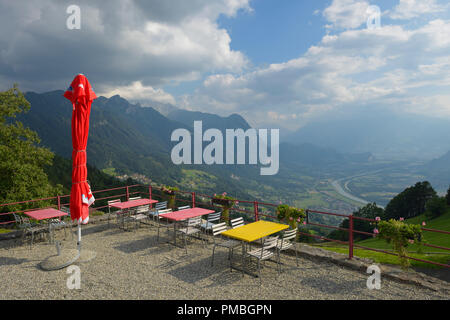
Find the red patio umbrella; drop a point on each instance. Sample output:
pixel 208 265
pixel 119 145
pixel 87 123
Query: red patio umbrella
pixel 81 95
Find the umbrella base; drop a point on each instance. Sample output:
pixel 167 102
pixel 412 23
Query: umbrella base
pixel 64 259
pixel 86 256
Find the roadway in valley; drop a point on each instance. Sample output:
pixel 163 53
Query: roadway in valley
pixel 345 191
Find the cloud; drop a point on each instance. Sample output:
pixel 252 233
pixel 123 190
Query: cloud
pixel 346 14
pixel 120 42
pixel 408 9
pixel 136 92
pixel 392 67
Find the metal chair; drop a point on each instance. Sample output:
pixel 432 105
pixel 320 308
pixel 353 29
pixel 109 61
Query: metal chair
pixel 159 219
pixel 140 214
pixel 264 253
pixel 192 227
pixel 285 243
pixel 158 206
pixel 230 244
pixel 211 220
pixel 184 207
pixel 134 198
pixel 110 202
pixel 238 222
pixel 27 227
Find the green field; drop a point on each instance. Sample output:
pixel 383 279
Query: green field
pixel 432 254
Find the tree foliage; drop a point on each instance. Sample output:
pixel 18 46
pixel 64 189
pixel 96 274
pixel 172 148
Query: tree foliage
pixel 369 211
pixel 21 159
pixel 447 197
pixel 436 207
pixel 411 202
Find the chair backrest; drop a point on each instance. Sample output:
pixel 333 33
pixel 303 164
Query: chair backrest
pixel 134 198
pixel 214 216
pixel 161 205
pixel 184 207
pixel 142 209
pixel 65 209
pixel 289 234
pixel 18 218
pixel 238 222
pixel 113 201
pixel 268 244
pixel 164 211
pixel 219 228
pixel 192 222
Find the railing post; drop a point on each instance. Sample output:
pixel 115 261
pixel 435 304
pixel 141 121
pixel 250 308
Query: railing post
pixel 350 236
pixel 150 191
pixel 193 199
pixel 307 216
pixel 59 202
pixel 128 193
pixel 255 209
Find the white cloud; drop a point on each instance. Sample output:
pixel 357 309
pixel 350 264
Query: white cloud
pixel 408 9
pixel 120 42
pixel 347 14
pixel 392 67
pixel 137 92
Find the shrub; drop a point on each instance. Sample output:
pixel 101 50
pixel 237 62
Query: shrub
pixel 293 216
pixel 226 202
pixel 400 235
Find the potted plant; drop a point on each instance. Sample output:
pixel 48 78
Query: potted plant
pixel 226 203
pixel 400 234
pixel 170 193
pixel 293 216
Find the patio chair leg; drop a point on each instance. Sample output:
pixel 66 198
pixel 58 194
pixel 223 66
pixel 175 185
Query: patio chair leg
pixel 185 243
pixel 230 253
pixel 259 272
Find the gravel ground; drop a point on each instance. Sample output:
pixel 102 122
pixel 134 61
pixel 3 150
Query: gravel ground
pixel 132 265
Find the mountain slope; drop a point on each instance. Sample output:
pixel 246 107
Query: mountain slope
pixel 385 134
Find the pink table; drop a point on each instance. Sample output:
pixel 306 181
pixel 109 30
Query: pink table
pixel 132 203
pixel 43 214
pixel 181 215
pixel 186 214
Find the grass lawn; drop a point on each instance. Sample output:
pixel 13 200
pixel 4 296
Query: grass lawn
pixel 439 239
pixel 432 254
pixel 380 257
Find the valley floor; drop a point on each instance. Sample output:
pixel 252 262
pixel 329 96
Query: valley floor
pixel 132 265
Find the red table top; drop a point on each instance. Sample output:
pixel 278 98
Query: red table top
pixel 43 214
pixel 132 203
pixel 186 214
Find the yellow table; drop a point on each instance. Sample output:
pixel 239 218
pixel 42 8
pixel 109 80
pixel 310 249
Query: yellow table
pixel 252 232
pixel 255 230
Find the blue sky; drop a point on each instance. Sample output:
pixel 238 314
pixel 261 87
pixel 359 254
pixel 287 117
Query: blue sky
pixel 277 63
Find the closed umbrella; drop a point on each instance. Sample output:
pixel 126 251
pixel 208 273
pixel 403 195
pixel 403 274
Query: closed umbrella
pixel 81 94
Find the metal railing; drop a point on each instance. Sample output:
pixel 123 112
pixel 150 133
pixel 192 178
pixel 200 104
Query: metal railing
pixel 251 209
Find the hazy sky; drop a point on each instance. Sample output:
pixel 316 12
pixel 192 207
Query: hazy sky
pixel 277 63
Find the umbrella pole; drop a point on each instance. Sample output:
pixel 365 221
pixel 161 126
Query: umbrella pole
pixel 79 236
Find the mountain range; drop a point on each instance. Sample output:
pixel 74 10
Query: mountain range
pixel 126 138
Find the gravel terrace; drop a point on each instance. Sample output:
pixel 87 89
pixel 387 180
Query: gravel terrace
pixel 132 265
